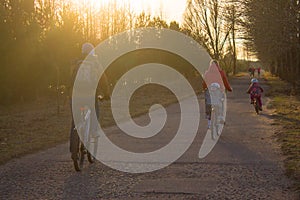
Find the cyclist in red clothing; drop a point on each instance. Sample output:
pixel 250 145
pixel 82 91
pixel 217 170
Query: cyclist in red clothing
pixel 258 71
pixel 251 71
pixel 255 91
pixel 214 74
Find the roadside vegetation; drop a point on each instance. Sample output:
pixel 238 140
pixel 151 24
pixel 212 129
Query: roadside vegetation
pixel 31 127
pixel 34 107
pixel 286 102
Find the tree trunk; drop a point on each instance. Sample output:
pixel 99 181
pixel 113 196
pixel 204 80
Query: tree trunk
pixel 234 49
pixel 57 89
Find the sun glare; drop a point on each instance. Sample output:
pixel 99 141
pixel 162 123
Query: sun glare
pixel 169 9
pixel 96 4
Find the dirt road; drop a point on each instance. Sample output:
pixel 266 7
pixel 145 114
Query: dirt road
pixel 245 164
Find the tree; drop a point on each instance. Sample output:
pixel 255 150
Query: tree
pixel 158 22
pixel 40 39
pixel 142 20
pixel 203 20
pixel 174 26
pixel 21 32
pixel 273 29
pixel 233 13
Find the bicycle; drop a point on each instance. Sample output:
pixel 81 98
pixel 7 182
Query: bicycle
pixel 256 106
pixel 216 121
pixel 81 145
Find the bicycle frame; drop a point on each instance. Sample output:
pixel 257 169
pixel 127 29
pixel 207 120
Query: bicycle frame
pixel 82 142
pixel 215 122
pixel 256 106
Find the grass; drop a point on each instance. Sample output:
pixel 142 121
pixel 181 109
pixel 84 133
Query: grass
pixel 30 127
pixel 241 74
pixel 287 114
pixel 27 128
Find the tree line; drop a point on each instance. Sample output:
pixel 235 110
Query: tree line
pixel 269 29
pixel 41 40
pixel 215 24
pixel 273 32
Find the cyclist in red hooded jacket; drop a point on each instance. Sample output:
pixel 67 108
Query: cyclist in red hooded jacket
pixel 214 75
pixel 255 91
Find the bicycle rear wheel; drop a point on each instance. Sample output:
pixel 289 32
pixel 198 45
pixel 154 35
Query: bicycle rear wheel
pixel 214 124
pixel 77 152
pixel 78 161
pixel 92 149
pixel 90 157
pixel 256 107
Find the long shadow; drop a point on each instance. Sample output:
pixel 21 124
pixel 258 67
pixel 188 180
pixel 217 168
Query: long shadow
pixel 281 117
pixel 82 185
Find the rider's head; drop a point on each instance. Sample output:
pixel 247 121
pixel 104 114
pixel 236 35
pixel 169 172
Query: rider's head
pixel 214 62
pixel 254 80
pixel 87 48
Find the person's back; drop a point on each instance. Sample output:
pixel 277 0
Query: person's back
pixel 214 74
pixel 84 68
pixel 255 91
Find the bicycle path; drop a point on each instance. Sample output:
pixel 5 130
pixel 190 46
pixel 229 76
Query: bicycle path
pixel 245 164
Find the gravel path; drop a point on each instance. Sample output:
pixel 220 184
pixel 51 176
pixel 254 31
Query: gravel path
pixel 245 164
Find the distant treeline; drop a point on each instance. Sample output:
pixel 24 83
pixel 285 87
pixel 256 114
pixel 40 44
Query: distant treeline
pixel 273 29
pixel 41 40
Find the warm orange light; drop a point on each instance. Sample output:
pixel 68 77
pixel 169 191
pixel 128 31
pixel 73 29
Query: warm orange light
pixel 169 9
pixel 96 4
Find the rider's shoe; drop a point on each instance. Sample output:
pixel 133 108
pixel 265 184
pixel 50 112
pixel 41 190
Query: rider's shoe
pixel 260 108
pixel 84 151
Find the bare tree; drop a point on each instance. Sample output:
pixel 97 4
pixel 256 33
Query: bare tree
pixel 204 20
pixel 233 13
pixel 174 26
pixel 142 20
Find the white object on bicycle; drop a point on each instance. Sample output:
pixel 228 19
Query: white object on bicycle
pixel 87 115
pixel 215 85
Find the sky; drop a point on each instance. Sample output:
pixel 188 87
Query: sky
pixel 171 9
